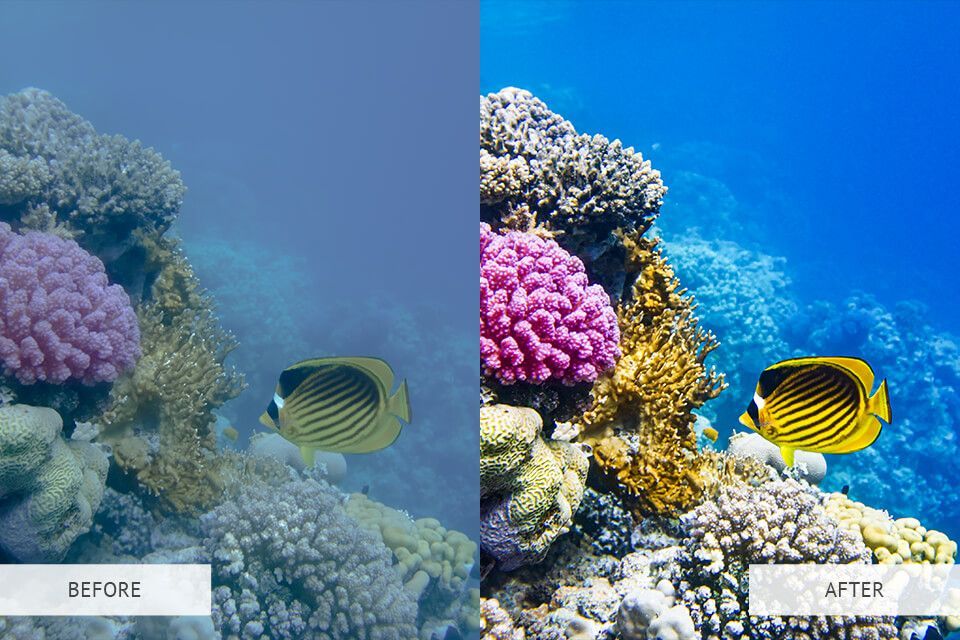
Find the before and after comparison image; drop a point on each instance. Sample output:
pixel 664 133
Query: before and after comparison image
pixel 715 393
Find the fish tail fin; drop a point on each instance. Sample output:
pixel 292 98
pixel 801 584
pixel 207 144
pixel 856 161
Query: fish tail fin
pixel 399 404
pixel 308 456
pixel 787 454
pixel 879 404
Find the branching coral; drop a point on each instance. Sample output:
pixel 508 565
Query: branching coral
pixel 536 171
pixel 529 488
pixel 651 393
pixel 160 418
pixel 779 522
pixel 49 488
pixel 433 563
pixel 289 563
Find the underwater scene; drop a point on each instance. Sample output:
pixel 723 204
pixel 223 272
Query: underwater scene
pixel 228 332
pixel 718 321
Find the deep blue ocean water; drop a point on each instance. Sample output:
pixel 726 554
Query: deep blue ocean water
pixel 822 133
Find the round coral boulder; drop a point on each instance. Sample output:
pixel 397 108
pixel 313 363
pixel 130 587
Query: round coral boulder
pixel 60 319
pixel 540 318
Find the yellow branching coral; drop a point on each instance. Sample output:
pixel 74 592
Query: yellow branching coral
pixel 160 416
pixel 641 421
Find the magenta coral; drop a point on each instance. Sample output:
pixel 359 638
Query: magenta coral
pixel 59 317
pixel 540 318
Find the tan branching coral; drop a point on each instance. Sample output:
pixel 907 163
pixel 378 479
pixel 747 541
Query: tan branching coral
pixel 641 421
pixel 159 419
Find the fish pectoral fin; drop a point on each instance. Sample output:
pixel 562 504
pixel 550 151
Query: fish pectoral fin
pixel 399 404
pixel 787 454
pixel 308 456
pixel 880 403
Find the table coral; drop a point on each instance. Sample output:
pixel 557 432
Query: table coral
pixel 540 319
pixel 433 563
pixel 289 563
pixel 536 171
pixel 61 319
pixel 50 488
pixel 652 391
pixel 779 522
pixel 529 487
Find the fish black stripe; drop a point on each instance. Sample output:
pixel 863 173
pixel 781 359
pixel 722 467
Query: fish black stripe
pixel 308 401
pixel 322 382
pixel 363 430
pixel 790 395
pixel 326 408
pixel 811 421
pixel 347 404
pixel 841 389
pixel 326 436
pixel 853 431
pixel 791 403
pixel 803 410
pixel 846 403
pixel 843 431
pixel 328 403
pixel 833 422
pixel 800 379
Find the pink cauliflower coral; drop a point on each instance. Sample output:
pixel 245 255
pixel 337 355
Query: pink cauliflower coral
pixel 540 318
pixel 59 317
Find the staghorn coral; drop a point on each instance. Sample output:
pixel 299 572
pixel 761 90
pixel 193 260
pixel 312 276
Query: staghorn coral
pixel 289 563
pixel 641 421
pixel 536 171
pixel 779 522
pixel 529 487
pixel 540 320
pixel 900 541
pixel 160 418
pixel 50 489
pixel 104 186
pixel 60 318
pixel 433 563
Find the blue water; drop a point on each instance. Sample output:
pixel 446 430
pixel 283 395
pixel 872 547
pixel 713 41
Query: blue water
pixel 821 133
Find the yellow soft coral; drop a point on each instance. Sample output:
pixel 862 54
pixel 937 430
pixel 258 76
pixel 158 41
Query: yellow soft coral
pixel 641 421
pixel 900 541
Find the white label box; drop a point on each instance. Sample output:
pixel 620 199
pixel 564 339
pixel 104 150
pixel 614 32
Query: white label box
pixel 105 590
pixel 854 590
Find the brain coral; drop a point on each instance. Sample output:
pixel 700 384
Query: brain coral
pixel 289 563
pixel 49 488
pixel 540 319
pixel 529 488
pixel 60 318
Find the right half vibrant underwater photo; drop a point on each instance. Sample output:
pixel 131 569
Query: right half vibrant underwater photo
pixel 719 354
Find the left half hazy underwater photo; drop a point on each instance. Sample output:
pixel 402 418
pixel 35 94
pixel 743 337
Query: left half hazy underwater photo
pixel 237 352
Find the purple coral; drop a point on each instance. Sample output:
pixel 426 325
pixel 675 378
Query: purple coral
pixel 59 316
pixel 540 318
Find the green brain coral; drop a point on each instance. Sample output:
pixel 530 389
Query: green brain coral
pixel 49 488
pixel 529 487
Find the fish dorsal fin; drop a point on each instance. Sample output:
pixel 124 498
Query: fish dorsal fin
pixel 374 366
pixel 294 375
pixel 856 367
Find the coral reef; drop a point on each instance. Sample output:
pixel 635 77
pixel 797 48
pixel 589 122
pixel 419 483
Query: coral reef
pixel 288 562
pixel 900 541
pixel 433 563
pixel 276 447
pixel 641 421
pixel 495 623
pixel 160 419
pixel 808 465
pixel 49 488
pixel 536 171
pixel 779 522
pixel 102 187
pixel 61 319
pixel 540 319
pixel 529 487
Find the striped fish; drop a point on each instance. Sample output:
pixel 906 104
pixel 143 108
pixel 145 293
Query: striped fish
pixel 338 404
pixel 820 404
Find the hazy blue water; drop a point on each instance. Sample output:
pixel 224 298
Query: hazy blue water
pixel 337 135
pixel 822 132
